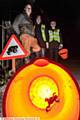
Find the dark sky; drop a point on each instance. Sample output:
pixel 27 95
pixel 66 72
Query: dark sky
pixel 66 12
pixel 67 8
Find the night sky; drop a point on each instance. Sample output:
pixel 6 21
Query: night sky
pixel 67 14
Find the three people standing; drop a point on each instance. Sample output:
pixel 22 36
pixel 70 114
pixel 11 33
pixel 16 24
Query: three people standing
pixel 38 39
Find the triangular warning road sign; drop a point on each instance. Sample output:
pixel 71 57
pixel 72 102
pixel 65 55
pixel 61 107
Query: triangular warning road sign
pixel 13 49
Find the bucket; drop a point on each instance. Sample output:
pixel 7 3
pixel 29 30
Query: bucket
pixel 63 53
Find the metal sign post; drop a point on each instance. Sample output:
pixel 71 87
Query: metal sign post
pixel 14 65
pixel 3 38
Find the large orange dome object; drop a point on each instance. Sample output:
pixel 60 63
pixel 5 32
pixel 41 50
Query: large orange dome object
pixel 27 92
pixel 63 53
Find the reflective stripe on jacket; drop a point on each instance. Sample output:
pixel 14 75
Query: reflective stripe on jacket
pixel 43 32
pixel 54 35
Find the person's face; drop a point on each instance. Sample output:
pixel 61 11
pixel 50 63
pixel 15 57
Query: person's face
pixel 53 24
pixel 28 9
pixel 38 19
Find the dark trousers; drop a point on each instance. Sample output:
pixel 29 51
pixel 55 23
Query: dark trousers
pixel 41 53
pixel 52 53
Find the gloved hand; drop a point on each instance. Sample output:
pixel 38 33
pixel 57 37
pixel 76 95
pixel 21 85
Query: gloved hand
pixel 60 46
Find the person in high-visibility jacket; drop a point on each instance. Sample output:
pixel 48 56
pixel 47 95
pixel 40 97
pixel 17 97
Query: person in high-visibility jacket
pixel 41 33
pixel 55 41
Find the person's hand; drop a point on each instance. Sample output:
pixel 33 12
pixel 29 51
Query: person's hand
pixel 60 46
pixel 47 45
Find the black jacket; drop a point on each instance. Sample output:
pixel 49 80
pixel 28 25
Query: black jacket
pixel 38 35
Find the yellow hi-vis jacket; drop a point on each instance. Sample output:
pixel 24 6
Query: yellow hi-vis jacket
pixel 54 35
